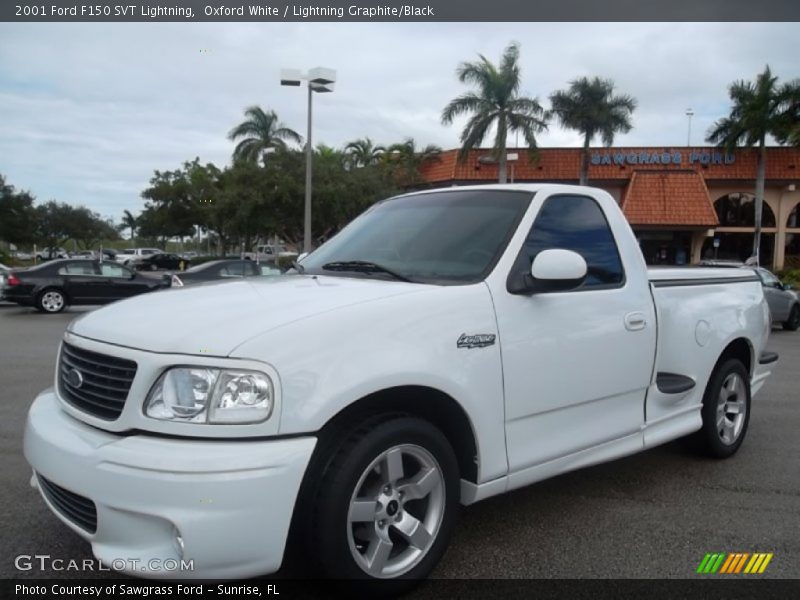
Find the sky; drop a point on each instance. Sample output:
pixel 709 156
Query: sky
pixel 90 110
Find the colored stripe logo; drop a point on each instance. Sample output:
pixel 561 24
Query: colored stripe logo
pixel 735 563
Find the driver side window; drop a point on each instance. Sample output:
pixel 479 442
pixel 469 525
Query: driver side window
pixel 577 223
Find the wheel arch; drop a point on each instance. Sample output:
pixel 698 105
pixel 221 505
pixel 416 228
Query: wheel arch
pixel 431 404
pixel 741 349
pixel 52 286
pixel 428 403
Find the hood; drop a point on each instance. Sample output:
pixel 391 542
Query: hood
pixel 212 319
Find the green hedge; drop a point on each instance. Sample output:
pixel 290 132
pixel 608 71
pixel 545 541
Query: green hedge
pixel 790 276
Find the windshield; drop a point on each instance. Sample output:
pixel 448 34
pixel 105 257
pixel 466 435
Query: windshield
pixel 440 237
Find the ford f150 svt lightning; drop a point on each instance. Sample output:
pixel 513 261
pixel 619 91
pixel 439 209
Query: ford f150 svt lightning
pixel 444 347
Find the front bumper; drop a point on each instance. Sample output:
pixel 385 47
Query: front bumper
pixel 230 501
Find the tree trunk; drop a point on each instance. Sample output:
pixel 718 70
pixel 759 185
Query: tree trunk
pixel 502 132
pixel 760 175
pixel 584 177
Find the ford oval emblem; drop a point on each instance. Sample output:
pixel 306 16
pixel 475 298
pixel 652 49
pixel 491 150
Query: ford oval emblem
pixel 74 378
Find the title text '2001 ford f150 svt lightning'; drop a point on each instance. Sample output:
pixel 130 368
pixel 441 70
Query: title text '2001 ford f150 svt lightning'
pixel 445 347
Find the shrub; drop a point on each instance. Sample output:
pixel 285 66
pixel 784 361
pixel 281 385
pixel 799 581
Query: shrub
pixel 791 276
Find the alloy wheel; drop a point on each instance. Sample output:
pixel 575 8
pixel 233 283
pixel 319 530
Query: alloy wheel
pixel 396 511
pixel 731 408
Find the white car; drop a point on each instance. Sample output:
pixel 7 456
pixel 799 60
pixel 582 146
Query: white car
pixel 131 254
pixel 51 253
pixel 445 347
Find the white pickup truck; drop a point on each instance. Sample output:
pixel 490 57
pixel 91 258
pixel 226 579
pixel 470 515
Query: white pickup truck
pixel 270 253
pixel 445 347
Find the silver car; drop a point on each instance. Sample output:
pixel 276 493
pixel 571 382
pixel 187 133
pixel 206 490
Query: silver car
pixel 783 301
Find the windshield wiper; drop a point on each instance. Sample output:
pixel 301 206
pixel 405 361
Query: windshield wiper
pixel 298 267
pixel 363 266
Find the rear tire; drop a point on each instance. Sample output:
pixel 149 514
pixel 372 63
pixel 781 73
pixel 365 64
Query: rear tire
pixel 385 509
pixel 793 322
pixel 726 410
pixel 51 300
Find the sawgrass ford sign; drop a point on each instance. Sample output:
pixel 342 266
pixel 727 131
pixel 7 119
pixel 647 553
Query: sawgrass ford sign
pixel 666 157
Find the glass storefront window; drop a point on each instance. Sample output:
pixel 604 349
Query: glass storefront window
pixel 739 210
pixel 739 246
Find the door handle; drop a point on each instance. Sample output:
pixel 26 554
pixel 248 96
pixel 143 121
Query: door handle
pixel 635 321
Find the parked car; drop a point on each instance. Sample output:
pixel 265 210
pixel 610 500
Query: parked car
pixel 161 261
pixel 129 254
pixel 352 406
pixel 190 255
pixel 22 255
pixel 3 271
pixel 223 269
pixel 783 301
pixel 51 253
pixel 270 253
pixel 108 254
pixel 784 304
pixel 52 286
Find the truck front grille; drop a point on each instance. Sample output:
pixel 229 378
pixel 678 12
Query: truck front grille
pixel 76 509
pixel 95 383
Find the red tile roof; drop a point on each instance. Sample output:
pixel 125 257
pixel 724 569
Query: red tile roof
pixel 668 198
pixel 563 164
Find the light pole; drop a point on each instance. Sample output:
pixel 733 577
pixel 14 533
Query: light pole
pixel 319 79
pixel 690 114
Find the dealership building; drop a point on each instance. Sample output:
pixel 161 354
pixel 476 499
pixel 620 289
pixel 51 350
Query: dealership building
pixel 684 204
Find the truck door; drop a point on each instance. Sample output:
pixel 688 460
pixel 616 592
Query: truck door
pixel 577 363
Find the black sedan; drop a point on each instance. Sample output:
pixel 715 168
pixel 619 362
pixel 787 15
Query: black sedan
pixel 52 286
pixel 223 269
pixel 162 261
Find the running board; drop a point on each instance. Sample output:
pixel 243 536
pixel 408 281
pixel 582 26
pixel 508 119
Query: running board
pixel 672 383
pixel 767 358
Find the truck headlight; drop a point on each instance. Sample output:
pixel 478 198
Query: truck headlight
pixel 200 395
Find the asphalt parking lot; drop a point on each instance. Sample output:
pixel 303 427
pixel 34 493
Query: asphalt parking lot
pixel 654 515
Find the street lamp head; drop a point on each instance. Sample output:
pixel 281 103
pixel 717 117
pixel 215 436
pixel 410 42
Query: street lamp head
pixel 291 77
pixel 689 112
pixel 318 87
pixel 322 75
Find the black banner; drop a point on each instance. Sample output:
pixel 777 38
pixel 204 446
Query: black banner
pixel 706 587
pixel 398 10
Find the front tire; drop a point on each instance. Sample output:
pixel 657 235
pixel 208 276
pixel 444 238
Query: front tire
pixel 726 410
pixel 793 322
pixel 387 504
pixel 51 300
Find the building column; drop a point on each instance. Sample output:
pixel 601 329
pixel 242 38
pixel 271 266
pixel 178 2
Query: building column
pixel 698 237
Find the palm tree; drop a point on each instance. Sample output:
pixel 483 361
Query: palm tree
pixel 495 102
pixel 409 160
pixel 363 152
pixel 760 108
pixel 590 107
pixel 790 131
pixel 130 222
pixel 262 132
